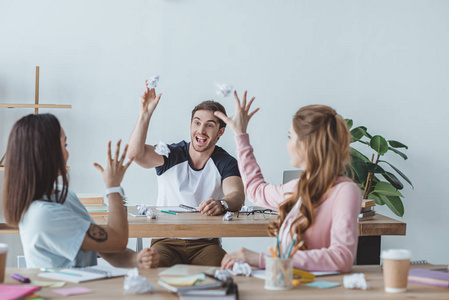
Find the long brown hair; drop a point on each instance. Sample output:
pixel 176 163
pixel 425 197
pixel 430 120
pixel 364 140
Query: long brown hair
pixel 34 161
pixel 326 138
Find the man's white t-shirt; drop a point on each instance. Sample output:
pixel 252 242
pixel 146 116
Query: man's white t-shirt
pixel 180 183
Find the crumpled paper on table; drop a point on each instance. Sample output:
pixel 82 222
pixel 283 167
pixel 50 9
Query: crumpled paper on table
pixel 246 209
pixel 228 216
pixel 151 214
pixel 142 209
pixel 136 284
pixel 241 268
pixel 222 274
pixel 355 281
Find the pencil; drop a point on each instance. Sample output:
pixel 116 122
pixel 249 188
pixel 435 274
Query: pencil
pixel 169 212
pixel 273 253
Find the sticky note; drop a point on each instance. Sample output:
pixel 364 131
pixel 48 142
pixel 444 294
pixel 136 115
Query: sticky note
pixel 72 291
pixel 322 284
pixel 48 283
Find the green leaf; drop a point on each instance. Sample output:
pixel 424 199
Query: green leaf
pixel 398 171
pixel 375 197
pixel 349 122
pixel 360 169
pixel 373 168
pixel 385 188
pixel 357 133
pixel 399 153
pixel 396 144
pixel 391 178
pixel 394 203
pixel 356 153
pixel 379 144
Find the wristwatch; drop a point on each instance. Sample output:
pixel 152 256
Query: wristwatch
pixel 117 189
pixel 225 205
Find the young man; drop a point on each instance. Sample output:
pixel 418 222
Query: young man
pixel 198 173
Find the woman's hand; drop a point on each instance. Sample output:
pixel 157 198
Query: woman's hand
pixel 149 100
pixel 148 258
pixel 115 168
pixel 239 121
pixel 243 254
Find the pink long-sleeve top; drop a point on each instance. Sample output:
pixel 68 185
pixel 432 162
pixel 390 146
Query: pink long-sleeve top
pixel 332 239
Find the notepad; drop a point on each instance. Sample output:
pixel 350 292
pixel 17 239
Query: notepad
pixel 177 209
pixel 12 291
pixel 86 274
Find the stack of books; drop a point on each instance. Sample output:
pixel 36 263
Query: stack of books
pixel 367 212
pixel 439 277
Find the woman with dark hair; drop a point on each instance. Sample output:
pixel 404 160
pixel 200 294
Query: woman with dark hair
pixel 322 207
pixel 55 228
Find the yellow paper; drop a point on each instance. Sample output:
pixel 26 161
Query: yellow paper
pixel 183 280
pixel 48 283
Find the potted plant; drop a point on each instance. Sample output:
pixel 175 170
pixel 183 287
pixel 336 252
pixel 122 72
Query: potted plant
pixel 370 174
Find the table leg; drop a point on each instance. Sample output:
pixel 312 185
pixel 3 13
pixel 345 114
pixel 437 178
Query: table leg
pixel 368 251
pixel 139 244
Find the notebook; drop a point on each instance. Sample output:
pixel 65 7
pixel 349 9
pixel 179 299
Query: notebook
pixel 179 209
pixel 430 277
pixel 13 291
pixel 85 274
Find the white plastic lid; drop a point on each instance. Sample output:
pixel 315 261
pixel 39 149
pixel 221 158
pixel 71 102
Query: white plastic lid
pixel 396 254
pixel 3 248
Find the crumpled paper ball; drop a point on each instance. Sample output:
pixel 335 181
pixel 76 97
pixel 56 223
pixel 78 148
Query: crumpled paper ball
pixel 224 90
pixel 241 268
pixel 228 216
pixel 136 284
pixel 162 149
pixel 246 209
pixel 151 214
pixel 142 209
pixel 355 281
pixel 222 274
pixel 153 81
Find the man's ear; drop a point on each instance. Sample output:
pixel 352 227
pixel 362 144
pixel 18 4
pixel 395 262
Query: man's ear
pixel 221 131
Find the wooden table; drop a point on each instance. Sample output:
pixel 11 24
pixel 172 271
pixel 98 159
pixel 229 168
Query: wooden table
pixel 249 288
pixel 198 225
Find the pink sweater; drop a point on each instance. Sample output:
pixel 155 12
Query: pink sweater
pixel 332 239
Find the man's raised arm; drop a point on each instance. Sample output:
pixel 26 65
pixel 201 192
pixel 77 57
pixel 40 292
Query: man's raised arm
pixel 143 154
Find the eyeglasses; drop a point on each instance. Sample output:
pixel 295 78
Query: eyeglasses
pixel 259 213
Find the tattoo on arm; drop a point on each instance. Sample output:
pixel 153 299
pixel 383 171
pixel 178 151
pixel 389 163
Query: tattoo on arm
pixel 97 233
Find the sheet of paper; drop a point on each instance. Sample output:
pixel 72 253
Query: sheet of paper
pixel 322 284
pixel 48 283
pixel 176 209
pixel 72 291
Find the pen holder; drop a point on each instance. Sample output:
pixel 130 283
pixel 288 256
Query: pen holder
pixel 278 273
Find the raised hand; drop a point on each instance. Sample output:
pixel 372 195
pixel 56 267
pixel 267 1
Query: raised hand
pixel 239 121
pixel 115 168
pixel 149 100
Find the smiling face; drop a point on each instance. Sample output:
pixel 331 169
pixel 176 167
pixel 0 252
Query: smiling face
pixel 204 130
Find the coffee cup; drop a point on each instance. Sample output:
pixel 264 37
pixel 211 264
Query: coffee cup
pixel 395 264
pixel 3 252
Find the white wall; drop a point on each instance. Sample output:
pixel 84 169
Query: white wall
pixel 383 63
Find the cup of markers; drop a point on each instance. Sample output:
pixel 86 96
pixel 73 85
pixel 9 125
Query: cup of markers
pixel 279 267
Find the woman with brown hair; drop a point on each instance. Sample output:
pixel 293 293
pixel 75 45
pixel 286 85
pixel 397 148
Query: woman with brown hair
pixel 55 228
pixel 321 208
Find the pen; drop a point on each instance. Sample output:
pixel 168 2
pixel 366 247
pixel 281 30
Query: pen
pixel 20 278
pixel 59 272
pixel 169 212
